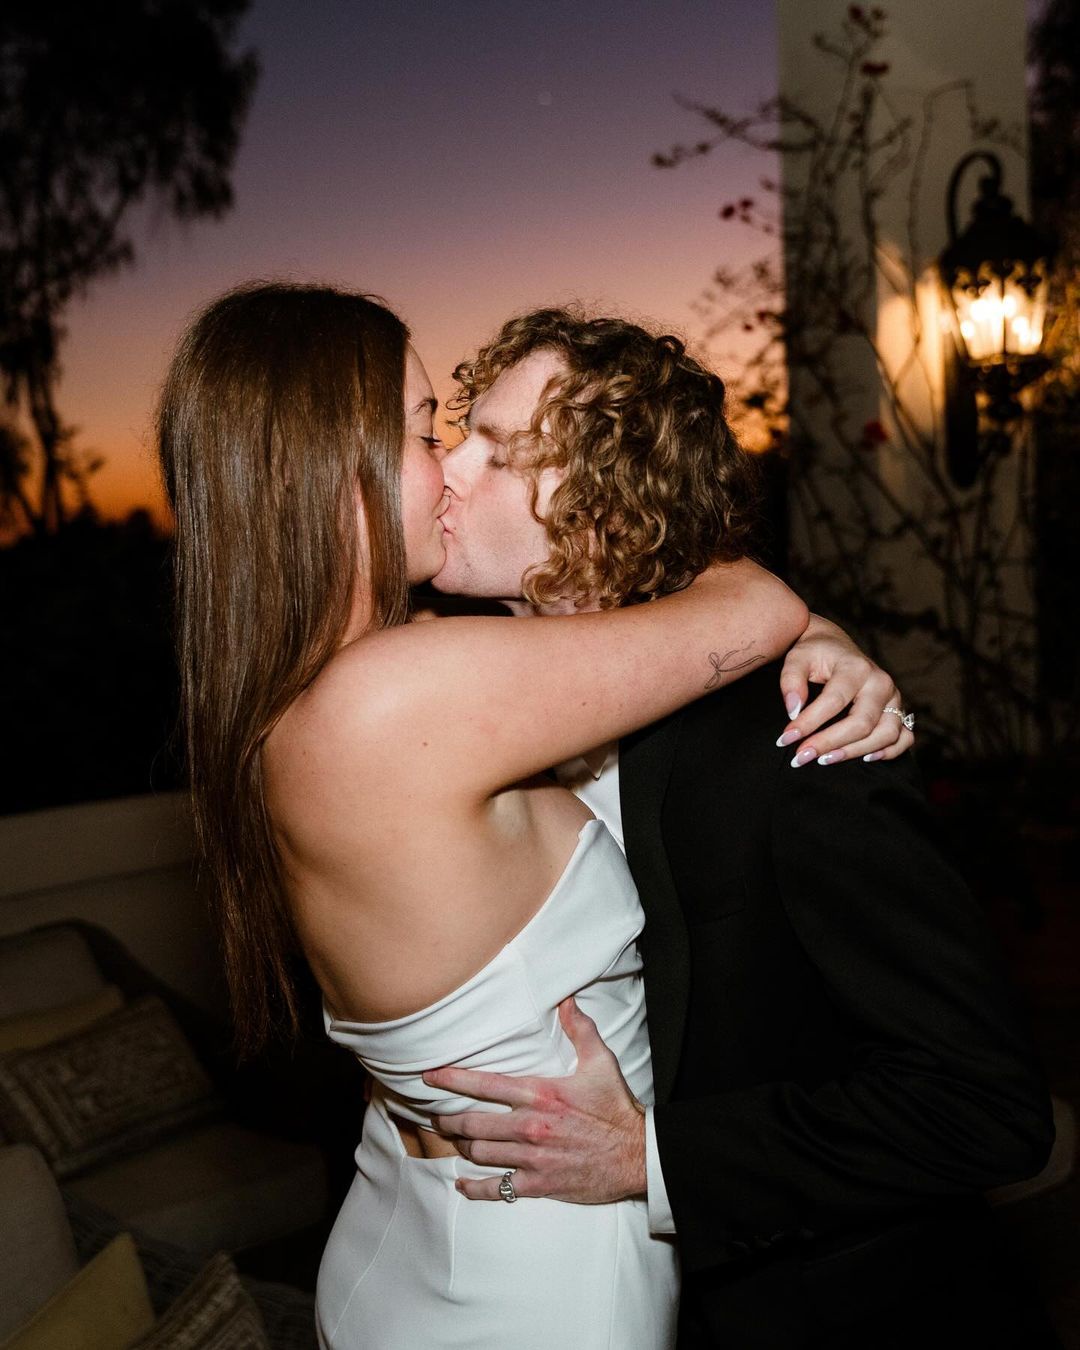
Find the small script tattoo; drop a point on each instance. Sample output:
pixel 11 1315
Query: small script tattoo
pixel 724 665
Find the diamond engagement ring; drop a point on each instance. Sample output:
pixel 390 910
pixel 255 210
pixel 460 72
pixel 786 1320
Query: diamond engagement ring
pixel 908 719
pixel 506 1189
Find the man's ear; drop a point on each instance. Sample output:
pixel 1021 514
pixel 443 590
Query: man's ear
pixel 545 482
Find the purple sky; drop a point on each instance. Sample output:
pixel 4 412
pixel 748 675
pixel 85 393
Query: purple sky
pixel 465 161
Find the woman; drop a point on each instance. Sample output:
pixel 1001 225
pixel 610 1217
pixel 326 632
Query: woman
pixel 375 792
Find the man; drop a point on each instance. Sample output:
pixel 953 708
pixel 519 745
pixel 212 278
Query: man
pixel 839 1071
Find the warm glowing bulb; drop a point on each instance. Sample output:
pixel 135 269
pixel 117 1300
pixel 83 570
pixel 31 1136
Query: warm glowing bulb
pixel 1028 334
pixel 967 328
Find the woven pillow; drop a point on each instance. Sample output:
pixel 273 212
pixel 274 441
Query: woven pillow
pixel 28 1030
pixel 104 1307
pixel 213 1313
pixel 126 1081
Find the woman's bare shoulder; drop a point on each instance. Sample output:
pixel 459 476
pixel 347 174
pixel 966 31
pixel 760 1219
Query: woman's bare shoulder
pixel 344 752
pixel 381 674
pixel 372 698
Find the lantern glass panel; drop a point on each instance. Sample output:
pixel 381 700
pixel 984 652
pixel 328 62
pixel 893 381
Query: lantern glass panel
pixel 1000 317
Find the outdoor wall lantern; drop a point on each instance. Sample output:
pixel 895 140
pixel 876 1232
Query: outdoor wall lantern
pixel 996 277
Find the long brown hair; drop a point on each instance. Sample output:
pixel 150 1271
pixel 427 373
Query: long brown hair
pixel 281 402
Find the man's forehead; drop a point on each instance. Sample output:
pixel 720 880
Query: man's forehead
pixel 511 399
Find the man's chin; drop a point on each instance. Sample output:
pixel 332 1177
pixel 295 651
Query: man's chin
pixel 470 587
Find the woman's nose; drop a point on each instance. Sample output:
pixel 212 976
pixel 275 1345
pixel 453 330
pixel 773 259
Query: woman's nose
pixel 452 467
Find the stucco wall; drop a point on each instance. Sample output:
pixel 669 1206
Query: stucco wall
pixel 957 71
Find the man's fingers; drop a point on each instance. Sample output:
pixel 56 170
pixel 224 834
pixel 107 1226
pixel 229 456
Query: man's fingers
pixel 487 1188
pixel 484 1087
pixel 488 1154
pixel 580 1030
pixel 480 1125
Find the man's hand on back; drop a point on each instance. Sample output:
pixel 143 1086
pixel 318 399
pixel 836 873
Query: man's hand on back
pixel 580 1138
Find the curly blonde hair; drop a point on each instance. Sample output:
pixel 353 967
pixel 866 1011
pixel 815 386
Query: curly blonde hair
pixel 655 487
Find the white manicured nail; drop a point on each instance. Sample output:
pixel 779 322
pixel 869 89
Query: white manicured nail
pixel 803 757
pixel 874 754
pixel 789 737
pixel 793 704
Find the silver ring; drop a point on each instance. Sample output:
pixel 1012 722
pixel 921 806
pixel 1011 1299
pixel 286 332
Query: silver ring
pixel 908 719
pixel 506 1189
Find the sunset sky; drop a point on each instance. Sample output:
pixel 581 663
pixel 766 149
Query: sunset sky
pixel 464 161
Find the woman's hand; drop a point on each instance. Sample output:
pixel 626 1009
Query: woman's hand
pixel 826 655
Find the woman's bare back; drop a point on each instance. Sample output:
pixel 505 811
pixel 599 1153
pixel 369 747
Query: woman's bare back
pixel 401 891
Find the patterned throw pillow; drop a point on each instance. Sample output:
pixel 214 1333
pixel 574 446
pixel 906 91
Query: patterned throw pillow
pixel 287 1313
pixel 26 1031
pixel 110 1090
pixel 104 1307
pixel 213 1313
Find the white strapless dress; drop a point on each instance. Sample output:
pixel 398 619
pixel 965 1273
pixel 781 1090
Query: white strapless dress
pixel 413 1265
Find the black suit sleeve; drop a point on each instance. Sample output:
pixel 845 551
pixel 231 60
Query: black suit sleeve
pixel 943 1097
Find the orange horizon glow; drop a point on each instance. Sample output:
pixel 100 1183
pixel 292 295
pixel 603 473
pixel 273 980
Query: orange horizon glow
pixel 130 480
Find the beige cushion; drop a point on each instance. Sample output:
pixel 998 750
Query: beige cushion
pixel 219 1186
pixel 26 1031
pixel 106 1306
pixel 42 969
pixel 213 1313
pixel 37 1254
pixel 126 1081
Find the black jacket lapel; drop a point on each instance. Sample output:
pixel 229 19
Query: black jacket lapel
pixel 645 762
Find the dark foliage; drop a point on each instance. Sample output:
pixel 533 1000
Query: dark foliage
pixel 102 107
pixel 1054 53
pixel 88 683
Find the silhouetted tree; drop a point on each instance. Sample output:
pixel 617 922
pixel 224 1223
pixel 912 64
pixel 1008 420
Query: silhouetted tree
pixel 102 107
pixel 15 505
pixel 1054 56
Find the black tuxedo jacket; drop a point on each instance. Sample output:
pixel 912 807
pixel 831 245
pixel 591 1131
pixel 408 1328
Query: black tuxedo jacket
pixel 839 1067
